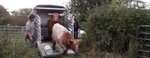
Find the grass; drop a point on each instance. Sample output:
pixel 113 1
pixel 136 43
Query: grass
pixel 16 47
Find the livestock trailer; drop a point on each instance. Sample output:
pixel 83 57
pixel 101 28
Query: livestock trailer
pixel 43 43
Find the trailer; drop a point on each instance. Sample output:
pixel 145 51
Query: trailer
pixel 43 43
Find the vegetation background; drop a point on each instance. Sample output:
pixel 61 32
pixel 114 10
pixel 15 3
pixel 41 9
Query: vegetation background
pixel 112 26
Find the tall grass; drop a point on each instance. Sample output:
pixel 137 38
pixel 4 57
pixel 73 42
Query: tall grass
pixel 15 47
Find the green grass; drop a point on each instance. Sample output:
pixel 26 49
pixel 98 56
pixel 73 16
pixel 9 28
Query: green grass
pixel 16 47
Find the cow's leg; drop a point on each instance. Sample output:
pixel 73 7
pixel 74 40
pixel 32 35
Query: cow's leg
pixel 64 48
pixel 65 51
pixel 50 36
pixel 54 43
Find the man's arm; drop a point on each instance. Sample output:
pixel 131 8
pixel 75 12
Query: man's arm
pixel 78 28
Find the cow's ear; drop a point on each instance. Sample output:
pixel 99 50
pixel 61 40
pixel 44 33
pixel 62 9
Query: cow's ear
pixel 78 41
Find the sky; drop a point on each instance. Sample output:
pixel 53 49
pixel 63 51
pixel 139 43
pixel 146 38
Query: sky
pixel 11 5
pixel 147 3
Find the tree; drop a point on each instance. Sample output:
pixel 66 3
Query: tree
pixel 3 11
pixel 4 14
pixel 19 17
pixel 110 26
pixel 83 6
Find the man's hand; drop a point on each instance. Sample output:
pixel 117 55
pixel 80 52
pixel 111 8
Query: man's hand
pixel 31 38
pixel 78 30
pixel 30 35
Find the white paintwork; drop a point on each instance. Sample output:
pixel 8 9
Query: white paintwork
pixel 81 33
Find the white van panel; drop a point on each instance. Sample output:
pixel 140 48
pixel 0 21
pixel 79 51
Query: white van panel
pixel 44 18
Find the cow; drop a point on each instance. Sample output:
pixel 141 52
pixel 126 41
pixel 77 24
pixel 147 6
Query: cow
pixel 54 19
pixel 63 37
pixel 59 34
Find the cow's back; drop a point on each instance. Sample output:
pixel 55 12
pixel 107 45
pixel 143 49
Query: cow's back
pixel 57 31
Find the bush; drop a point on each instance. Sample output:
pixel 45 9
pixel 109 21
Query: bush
pixel 111 27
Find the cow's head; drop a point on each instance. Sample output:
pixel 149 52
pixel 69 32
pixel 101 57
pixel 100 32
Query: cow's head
pixel 54 16
pixel 75 44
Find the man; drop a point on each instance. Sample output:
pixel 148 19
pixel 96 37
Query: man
pixel 76 28
pixel 30 29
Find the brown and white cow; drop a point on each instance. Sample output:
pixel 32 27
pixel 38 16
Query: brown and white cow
pixel 64 38
pixel 59 34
